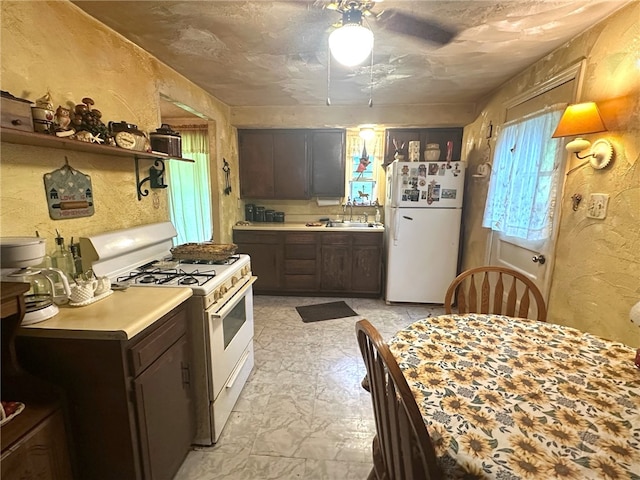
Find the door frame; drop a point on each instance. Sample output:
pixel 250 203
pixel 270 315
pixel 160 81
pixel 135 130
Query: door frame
pixel 574 72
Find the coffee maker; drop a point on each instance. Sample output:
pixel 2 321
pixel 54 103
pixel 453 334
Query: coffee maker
pixel 49 287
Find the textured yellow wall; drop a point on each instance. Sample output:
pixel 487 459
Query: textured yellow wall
pixel 596 278
pixel 55 47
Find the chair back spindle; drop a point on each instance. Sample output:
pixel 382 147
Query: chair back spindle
pixel 501 291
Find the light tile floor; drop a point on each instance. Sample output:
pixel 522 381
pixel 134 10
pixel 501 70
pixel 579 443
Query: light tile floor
pixel 303 413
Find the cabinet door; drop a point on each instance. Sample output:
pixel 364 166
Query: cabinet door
pixel 366 267
pixel 335 262
pixel 256 164
pixel 265 251
pixel 327 155
pixel 163 404
pixel 291 177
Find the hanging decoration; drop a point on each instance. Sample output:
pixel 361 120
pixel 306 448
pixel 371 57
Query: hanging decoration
pixel 227 172
pixel 69 193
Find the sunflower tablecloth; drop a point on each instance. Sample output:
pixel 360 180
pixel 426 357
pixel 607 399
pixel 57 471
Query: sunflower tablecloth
pixel 509 399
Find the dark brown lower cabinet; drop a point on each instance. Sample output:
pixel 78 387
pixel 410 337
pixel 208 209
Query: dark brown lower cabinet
pixel 130 405
pixel 314 263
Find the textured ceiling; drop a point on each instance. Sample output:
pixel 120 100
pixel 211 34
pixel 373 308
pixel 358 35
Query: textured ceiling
pixel 267 53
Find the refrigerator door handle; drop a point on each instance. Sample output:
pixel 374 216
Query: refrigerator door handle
pixel 395 225
pixel 408 218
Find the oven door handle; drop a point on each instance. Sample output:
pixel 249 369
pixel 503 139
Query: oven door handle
pixel 238 369
pixel 237 296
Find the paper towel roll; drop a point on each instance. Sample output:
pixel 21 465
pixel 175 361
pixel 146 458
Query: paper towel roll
pixel 327 202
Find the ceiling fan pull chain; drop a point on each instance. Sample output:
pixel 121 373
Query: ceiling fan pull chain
pixel 371 79
pixel 328 76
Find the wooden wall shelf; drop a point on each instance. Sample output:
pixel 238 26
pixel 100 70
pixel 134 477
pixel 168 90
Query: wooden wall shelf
pixel 20 137
pixel 10 135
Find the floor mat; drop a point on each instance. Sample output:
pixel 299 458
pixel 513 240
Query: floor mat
pixel 325 311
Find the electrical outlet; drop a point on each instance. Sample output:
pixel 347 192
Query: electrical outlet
pixel 598 205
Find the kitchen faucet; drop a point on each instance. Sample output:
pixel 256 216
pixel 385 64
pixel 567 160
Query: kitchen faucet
pixel 350 205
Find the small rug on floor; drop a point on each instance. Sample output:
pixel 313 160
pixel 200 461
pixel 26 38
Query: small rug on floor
pixel 325 311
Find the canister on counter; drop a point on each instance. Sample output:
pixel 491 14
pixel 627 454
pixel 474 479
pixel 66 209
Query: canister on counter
pixel 278 217
pixel 258 214
pixel 268 215
pixel 248 212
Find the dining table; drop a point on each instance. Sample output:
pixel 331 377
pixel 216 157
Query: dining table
pixel 511 398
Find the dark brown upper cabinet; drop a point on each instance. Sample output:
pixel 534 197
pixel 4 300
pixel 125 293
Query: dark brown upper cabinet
pixel 291 164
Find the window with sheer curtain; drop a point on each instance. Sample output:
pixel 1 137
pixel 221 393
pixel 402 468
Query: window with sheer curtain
pixel 189 191
pixel 525 176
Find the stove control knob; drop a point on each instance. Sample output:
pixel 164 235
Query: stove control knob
pixel 234 280
pixel 216 295
pixel 223 290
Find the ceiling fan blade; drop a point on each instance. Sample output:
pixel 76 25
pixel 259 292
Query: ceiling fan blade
pixel 399 22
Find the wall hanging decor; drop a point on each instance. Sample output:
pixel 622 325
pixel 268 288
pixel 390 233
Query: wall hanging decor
pixel 69 193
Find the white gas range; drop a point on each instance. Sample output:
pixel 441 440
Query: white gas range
pixel 220 310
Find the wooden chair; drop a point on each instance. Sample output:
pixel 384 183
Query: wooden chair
pixel 501 291
pixel 402 448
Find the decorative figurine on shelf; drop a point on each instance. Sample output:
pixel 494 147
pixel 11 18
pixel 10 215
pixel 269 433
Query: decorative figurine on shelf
pixel 398 153
pixel 63 122
pixel 43 114
pixel 86 118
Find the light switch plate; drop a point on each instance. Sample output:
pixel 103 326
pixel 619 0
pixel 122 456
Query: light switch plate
pixel 598 205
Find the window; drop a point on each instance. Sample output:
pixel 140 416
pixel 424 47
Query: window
pixel 189 192
pixel 525 177
pixel 363 163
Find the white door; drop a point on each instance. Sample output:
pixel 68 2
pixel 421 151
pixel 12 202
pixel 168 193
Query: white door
pixel 535 259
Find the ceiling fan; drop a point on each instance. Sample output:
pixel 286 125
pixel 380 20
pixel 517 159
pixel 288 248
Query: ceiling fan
pixel 352 42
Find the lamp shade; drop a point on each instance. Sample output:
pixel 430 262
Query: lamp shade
pixel 580 119
pixel 351 44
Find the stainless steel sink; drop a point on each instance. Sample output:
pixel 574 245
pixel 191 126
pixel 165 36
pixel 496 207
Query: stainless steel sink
pixel 348 224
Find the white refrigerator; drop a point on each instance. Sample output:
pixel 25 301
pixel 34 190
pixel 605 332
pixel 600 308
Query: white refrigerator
pixel 422 214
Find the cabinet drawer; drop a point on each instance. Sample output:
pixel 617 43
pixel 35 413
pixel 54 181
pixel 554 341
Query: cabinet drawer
pixel 336 238
pixel 255 237
pixel 307 238
pixel 304 252
pixel 16 114
pixel 367 238
pixel 300 267
pixel 145 352
pixel 300 282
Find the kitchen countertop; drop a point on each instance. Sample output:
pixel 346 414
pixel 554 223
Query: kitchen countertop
pixel 120 316
pixel 290 226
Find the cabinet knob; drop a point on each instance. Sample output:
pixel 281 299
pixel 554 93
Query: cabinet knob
pixel 17 121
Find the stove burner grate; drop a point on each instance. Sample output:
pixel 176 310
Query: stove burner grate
pixel 154 276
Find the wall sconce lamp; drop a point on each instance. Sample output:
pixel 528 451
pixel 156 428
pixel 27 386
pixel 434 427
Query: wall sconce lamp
pixel 351 44
pixel 583 119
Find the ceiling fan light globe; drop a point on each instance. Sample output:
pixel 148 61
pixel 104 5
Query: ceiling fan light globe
pixel 351 44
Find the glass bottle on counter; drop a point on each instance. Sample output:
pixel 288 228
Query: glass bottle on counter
pixel 62 259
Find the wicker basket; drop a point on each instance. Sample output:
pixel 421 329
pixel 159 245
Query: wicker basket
pixel 204 251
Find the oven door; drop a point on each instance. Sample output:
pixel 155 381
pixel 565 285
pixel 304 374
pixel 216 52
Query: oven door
pixel 230 331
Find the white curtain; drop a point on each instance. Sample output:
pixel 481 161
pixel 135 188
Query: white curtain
pixel 189 192
pixel 525 177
